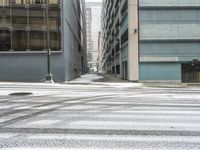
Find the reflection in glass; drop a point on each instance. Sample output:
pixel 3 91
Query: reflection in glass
pixel 55 40
pixel 20 40
pixel 19 18
pixel 5 40
pixel 22 25
pixel 54 19
pixel 4 17
pixel 4 2
pixel 36 17
pixel 37 40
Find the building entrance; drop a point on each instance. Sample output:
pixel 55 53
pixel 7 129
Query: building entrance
pixel 191 72
pixel 125 70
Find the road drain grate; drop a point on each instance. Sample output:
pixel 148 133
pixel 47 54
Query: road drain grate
pixel 21 94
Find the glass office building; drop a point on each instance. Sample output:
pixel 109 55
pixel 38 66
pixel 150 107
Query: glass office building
pixel 95 8
pixel 24 25
pixel 23 28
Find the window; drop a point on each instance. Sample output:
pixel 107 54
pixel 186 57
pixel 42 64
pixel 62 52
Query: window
pixel 124 9
pixel 37 40
pixel 124 37
pixel 118 69
pixel 20 40
pixel 117 47
pixel 5 40
pixel 23 28
pixel 38 1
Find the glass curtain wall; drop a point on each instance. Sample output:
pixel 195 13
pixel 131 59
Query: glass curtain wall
pixel 23 28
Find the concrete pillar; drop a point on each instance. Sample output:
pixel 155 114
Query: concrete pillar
pixel 133 33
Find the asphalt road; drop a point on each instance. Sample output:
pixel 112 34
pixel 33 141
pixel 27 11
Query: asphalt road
pixel 98 116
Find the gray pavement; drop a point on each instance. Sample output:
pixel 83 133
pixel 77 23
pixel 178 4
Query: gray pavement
pixel 99 116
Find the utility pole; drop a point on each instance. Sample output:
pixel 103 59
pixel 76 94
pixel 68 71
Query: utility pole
pixel 49 76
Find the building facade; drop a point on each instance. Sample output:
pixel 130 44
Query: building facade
pixel 89 36
pixel 95 8
pixel 151 40
pixel 23 39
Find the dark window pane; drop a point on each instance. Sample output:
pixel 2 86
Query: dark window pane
pixel 4 17
pixel 117 47
pixel 38 1
pixel 124 37
pixel 19 17
pixel 54 18
pixel 118 69
pixel 37 41
pixel 5 35
pixel 36 17
pixel 20 40
pixel 35 2
pixel 5 40
pixel 22 26
pixel 55 40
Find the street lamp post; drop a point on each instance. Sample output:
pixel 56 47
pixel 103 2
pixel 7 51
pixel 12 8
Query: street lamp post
pixel 49 76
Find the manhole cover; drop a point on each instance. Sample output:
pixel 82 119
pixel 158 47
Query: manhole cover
pixel 21 94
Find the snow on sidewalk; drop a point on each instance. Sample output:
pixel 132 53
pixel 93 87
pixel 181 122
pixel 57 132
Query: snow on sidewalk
pixel 87 78
pixel 91 78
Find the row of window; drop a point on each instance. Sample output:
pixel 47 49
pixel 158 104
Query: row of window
pixel 9 2
pixel 114 70
pixel 27 19
pixel 28 41
pixel 24 28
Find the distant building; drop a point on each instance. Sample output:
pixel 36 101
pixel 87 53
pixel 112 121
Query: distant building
pixel 23 40
pixel 95 8
pixel 151 40
pixel 99 53
pixel 89 36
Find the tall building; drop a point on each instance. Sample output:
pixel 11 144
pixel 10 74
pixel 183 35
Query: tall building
pixel 99 53
pixel 24 26
pixel 95 8
pixel 89 36
pixel 151 40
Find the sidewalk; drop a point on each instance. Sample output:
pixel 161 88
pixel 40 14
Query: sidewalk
pixel 172 85
pixel 86 79
pixel 104 80
pixel 107 79
pixel 166 85
pixel 89 78
pixel 111 78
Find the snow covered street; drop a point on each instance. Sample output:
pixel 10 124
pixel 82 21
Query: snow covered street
pixel 98 116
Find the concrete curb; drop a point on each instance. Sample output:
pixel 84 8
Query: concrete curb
pixel 166 85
